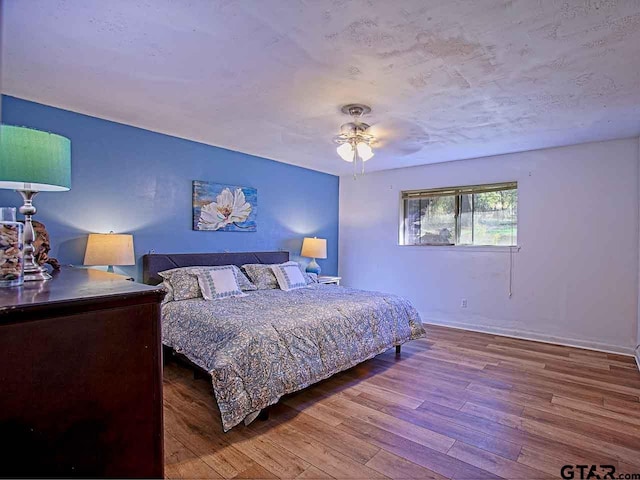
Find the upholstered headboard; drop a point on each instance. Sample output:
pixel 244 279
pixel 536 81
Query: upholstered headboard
pixel 158 262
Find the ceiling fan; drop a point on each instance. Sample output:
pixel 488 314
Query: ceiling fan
pixel 357 139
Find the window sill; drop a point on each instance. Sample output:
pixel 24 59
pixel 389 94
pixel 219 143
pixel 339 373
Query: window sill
pixel 468 248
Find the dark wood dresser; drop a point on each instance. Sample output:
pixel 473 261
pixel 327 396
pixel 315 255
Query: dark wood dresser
pixel 81 377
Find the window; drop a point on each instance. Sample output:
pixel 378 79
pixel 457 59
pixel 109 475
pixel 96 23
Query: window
pixel 476 215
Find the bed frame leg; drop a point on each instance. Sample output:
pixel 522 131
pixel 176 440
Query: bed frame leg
pixel 166 355
pixel 197 374
pixel 398 347
pixel 263 416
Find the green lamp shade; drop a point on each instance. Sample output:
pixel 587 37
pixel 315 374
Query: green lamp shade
pixel 34 160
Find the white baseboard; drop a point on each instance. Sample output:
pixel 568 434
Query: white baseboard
pixel 525 335
pixel 637 356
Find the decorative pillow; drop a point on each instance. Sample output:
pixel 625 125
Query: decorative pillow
pixel 168 297
pixel 261 275
pixel 289 276
pixel 310 277
pixel 263 278
pixel 219 282
pixel 183 281
pixel 243 281
pixel 184 284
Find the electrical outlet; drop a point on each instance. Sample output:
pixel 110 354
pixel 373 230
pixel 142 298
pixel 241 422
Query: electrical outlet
pixel 463 303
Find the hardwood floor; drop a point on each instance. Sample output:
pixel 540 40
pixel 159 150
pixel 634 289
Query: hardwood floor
pixel 457 405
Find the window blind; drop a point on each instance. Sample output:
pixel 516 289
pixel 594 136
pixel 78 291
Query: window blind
pixel 471 189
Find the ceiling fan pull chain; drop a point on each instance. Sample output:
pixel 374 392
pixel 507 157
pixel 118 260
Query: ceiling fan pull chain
pixel 355 162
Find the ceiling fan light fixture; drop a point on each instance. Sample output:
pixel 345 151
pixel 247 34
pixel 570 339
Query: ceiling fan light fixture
pixel 354 141
pixel 346 152
pixel 365 152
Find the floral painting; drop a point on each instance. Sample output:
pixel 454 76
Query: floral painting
pixel 224 208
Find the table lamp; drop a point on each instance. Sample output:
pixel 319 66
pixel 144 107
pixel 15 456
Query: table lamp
pixel 314 248
pixel 109 249
pixel 33 161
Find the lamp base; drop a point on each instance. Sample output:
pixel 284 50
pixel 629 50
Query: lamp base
pixel 32 271
pixel 36 274
pixel 313 267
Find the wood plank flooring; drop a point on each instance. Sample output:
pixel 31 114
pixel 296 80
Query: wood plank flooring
pixel 458 405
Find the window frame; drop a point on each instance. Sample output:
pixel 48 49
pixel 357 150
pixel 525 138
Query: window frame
pixel 457 192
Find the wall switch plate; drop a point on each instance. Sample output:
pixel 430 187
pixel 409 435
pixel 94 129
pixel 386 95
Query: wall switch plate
pixel 463 303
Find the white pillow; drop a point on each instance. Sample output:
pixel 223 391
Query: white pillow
pixel 289 276
pixel 219 282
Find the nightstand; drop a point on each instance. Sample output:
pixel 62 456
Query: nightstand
pixel 329 279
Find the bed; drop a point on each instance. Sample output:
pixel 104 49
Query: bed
pixel 269 343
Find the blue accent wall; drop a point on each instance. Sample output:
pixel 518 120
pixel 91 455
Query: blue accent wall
pixel 131 180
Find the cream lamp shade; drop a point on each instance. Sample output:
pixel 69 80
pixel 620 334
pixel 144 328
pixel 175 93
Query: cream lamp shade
pixel 314 248
pixel 109 249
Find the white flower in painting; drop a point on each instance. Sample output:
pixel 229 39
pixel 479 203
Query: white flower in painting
pixel 227 209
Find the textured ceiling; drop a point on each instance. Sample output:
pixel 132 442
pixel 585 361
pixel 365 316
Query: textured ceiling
pixel 446 79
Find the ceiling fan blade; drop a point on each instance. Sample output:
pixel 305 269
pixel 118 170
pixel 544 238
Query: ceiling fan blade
pixel 399 137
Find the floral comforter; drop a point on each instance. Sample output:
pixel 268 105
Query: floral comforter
pixel 271 342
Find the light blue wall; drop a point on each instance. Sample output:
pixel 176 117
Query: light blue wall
pixel 131 180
